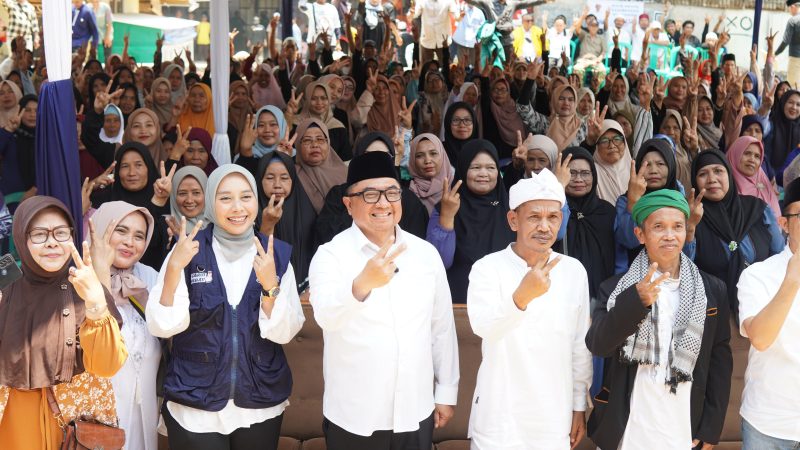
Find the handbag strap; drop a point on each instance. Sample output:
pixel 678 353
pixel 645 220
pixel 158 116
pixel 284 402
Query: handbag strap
pixel 54 408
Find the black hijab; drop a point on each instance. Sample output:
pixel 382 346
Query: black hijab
pixel 663 148
pixel 726 223
pixel 296 226
pixel 452 145
pixel 144 196
pixel 90 97
pixel 785 135
pixel 481 225
pixel 115 83
pixel 590 230
pixel 368 139
pixel 26 146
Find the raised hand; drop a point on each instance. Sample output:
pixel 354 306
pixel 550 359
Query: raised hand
pixel 520 153
pixel 451 202
pixel 86 195
pixel 399 145
pixel 695 209
pixel 294 104
pixel 372 80
pixel 264 264
pixel 14 121
pixel 186 248
pixel 181 145
pixel 648 289
pixel 83 277
pixel 405 114
pixel 690 139
pixel 163 186
pixel 160 41
pixel 596 124
pixel 102 251
pixel 249 134
pixel 535 69
pixel 646 87
pixel 562 169
pixel 637 184
pixel 536 282
pixel 768 97
pixel 379 270
pixel 104 97
pixel 272 214
pixel 610 77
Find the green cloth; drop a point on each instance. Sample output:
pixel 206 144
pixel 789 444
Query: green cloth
pixel 491 43
pixel 663 198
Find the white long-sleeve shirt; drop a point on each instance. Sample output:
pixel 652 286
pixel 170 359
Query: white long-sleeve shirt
pixel 536 368
pixel 435 21
pixel 388 359
pixel 285 322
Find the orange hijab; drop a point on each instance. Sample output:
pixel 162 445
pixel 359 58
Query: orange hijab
pixel 204 119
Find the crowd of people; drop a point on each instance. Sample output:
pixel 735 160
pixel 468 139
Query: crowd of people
pixel 614 229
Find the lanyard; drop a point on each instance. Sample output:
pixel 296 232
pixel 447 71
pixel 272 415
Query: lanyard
pixel 75 13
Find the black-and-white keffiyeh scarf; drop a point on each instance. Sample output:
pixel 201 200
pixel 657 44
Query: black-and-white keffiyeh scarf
pixel 643 346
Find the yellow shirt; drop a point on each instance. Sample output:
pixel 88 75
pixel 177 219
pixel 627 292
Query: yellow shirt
pixel 535 34
pixel 204 33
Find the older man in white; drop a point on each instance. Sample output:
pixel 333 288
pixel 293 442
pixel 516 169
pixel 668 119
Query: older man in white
pixel 531 307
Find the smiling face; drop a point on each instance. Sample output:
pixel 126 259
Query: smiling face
pixel 336 88
pixel 235 204
pixel 461 125
pixel 791 108
pixel 319 101
pixel 482 174
pixel 161 94
pixel 705 113
pixel 656 170
pixel 499 93
pixel 277 180
pixel 349 89
pixel 580 178
pixel 470 96
pixel 427 159
pixel 376 220
pixel 663 234
pixel 129 240
pixel 381 93
pixel 268 129
pixel 50 255
pixel 678 89
pixel 196 155
pixel 314 147
pixel 750 161
pixel 133 171
pixel 536 223
pixel 143 130
pixel 714 179
pixel 190 197
pixel 127 101
pixel 585 106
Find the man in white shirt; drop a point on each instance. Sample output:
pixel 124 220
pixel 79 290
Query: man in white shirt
pixel 639 32
pixel 435 27
pixel 770 317
pixel 381 297
pixel 469 20
pixel 663 328
pixel 531 307
pixel 322 17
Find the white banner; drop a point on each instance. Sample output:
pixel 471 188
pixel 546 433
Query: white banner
pixel 630 10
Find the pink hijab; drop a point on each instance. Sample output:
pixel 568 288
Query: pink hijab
pixel 269 95
pixel 429 191
pixel 757 185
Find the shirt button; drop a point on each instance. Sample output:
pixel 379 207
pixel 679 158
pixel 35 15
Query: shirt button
pixel 69 341
pixel 63 287
pixel 65 312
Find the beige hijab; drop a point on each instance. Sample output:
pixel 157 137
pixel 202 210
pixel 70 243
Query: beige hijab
pixel 563 129
pixel 163 111
pixel 327 116
pixel 318 180
pixel 612 179
pixel 156 148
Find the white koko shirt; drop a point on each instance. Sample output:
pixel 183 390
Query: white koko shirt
pixel 536 368
pixel 389 358
pixel 771 399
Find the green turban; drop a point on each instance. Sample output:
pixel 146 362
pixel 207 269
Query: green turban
pixel 662 198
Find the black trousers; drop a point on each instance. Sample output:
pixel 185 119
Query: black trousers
pixel 337 438
pixel 261 436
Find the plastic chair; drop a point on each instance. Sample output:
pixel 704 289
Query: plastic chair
pixel 662 53
pixel 673 57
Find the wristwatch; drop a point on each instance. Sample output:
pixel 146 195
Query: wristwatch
pixel 271 293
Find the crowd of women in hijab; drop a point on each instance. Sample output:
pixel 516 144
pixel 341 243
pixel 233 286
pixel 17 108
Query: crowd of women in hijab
pixel 188 261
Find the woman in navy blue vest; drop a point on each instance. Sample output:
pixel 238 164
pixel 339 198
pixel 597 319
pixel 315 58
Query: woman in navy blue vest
pixel 228 299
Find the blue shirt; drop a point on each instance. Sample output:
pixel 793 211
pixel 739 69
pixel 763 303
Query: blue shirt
pixel 84 26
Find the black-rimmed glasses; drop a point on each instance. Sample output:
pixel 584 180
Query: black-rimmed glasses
pixel 373 196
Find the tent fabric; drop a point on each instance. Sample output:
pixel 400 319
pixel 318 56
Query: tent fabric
pixel 57 26
pixel 220 79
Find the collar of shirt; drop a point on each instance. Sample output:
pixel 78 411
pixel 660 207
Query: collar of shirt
pixel 368 247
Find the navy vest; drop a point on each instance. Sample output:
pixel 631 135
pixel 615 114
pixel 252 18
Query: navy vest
pixel 221 355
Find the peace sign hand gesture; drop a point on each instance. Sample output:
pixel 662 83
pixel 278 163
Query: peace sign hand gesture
pixel 294 104
pixel 186 248
pixel 536 282
pixel 451 202
pixel 520 153
pixel 181 145
pixel 249 136
pixel 768 98
pixel 648 289
pixel 696 211
pixel 14 121
pixel 83 277
pixel 690 139
pixel 372 80
pixel 399 145
pixel 596 124
pixel 104 97
pixel 264 264
pixel 405 114
pixel 286 146
pixel 562 169
pixel 272 214
pixel 646 90
pixel 102 252
pixel 637 185
pixel 379 270
pixel 163 186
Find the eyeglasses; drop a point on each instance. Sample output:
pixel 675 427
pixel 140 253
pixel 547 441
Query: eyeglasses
pixel 463 122
pixel 616 140
pixel 500 90
pixel 373 196
pixel 789 216
pixel 311 141
pixel 582 174
pixel 40 235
